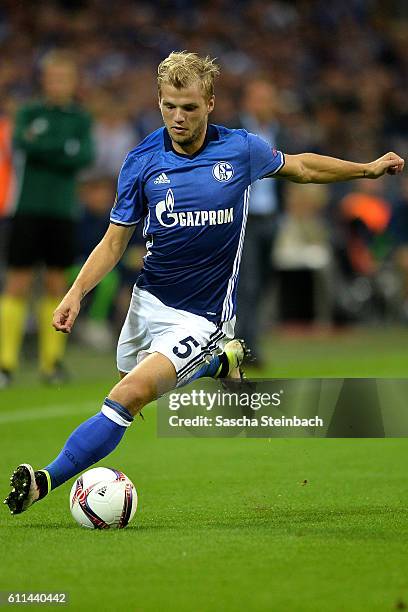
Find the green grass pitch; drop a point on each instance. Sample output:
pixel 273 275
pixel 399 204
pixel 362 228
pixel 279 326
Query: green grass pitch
pixel 222 524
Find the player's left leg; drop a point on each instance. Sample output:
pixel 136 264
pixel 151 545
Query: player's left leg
pixel 98 436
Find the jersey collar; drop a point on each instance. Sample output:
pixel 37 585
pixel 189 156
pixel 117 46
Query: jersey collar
pixel 211 135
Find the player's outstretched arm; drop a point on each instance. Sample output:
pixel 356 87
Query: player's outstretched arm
pixel 103 258
pixel 312 168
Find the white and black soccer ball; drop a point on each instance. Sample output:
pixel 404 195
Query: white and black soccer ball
pixel 103 498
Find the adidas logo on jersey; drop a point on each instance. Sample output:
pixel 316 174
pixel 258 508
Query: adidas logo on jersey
pixel 162 178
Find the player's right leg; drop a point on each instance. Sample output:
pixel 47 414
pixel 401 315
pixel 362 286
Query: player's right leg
pixel 98 436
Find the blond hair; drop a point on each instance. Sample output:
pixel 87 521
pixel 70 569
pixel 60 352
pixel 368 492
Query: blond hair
pixel 181 69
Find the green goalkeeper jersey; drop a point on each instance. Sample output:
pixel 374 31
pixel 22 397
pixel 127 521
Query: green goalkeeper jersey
pixel 52 144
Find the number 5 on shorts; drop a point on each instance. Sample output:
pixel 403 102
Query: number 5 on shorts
pixel 188 344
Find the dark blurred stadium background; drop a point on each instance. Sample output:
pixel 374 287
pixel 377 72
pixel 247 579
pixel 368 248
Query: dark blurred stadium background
pixel 340 73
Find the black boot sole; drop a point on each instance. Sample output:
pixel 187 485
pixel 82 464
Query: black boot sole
pixel 20 482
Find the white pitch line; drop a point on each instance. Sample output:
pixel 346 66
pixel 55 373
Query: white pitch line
pixel 52 412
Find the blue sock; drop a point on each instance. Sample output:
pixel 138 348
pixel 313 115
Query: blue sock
pixel 90 442
pixel 217 368
pixel 208 369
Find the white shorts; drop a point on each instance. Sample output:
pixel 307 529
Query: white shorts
pixel 188 340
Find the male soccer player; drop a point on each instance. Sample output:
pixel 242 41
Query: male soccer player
pixel 52 139
pixel 189 184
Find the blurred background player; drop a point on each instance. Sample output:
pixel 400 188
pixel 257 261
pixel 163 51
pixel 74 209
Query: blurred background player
pixel 52 139
pixel 302 258
pixel 259 116
pixel 113 134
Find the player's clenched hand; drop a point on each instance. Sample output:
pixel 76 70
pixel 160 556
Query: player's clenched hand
pixel 390 163
pixel 66 313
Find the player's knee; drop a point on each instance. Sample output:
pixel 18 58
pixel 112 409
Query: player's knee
pixel 133 395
